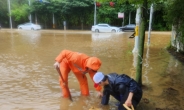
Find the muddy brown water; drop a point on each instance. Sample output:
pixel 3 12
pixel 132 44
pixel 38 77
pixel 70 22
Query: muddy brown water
pixel 29 82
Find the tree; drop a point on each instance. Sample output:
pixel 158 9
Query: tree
pixel 80 8
pixel 19 9
pixel 44 10
pixel 3 13
pixel 20 12
pixel 175 17
pixel 76 12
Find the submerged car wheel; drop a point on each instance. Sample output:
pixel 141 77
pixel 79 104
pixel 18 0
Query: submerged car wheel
pixel 113 30
pixel 96 30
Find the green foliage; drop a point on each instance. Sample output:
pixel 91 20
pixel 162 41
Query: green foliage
pixel 107 14
pixel 159 24
pixel 127 7
pixel 72 11
pixel 76 12
pixel 174 11
pixel 174 15
pixel 3 12
pixel 20 13
pixel 18 9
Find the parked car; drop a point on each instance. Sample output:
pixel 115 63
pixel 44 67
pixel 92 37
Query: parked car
pixel 29 26
pixel 129 27
pixel 104 28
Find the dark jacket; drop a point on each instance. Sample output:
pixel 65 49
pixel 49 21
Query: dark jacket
pixel 116 81
pixel 119 85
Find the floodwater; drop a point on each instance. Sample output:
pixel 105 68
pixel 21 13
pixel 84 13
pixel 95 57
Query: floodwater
pixel 29 81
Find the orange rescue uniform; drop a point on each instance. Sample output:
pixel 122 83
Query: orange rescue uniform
pixel 77 62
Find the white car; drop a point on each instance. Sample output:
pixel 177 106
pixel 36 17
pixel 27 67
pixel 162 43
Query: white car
pixel 29 26
pixel 104 28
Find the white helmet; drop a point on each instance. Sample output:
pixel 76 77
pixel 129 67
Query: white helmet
pixel 98 77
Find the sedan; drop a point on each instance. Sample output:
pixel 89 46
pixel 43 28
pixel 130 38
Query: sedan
pixel 104 28
pixel 129 27
pixel 29 26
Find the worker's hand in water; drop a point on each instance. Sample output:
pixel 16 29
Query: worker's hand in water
pixel 100 94
pixel 56 64
pixel 128 103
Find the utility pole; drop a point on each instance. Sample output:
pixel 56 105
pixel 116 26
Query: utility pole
pixel 10 14
pixel 137 20
pixel 150 23
pixel 129 17
pixel 141 42
pixel 36 18
pixel 30 18
pixel 53 20
pixel 95 12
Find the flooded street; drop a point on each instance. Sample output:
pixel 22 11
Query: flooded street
pixel 29 81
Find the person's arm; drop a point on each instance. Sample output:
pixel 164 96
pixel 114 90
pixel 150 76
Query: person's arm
pixel 128 102
pixel 132 88
pixel 61 56
pixel 64 54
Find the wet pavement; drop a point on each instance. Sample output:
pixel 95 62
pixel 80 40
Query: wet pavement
pixel 29 81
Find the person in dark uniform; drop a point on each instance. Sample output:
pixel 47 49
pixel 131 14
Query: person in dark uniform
pixel 123 88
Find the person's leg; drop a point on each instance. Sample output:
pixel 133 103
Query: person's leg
pixel 123 99
pixel 64 68
pixel 118 96
pixel 83 83
pixel 107 92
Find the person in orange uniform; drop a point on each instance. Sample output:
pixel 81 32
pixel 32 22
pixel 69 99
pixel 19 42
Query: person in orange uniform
pixel 80 64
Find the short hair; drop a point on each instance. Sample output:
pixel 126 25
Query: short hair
pixel 105 78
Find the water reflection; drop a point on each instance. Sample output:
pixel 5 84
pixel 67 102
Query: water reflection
pixel 30 36
pixel 101 36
